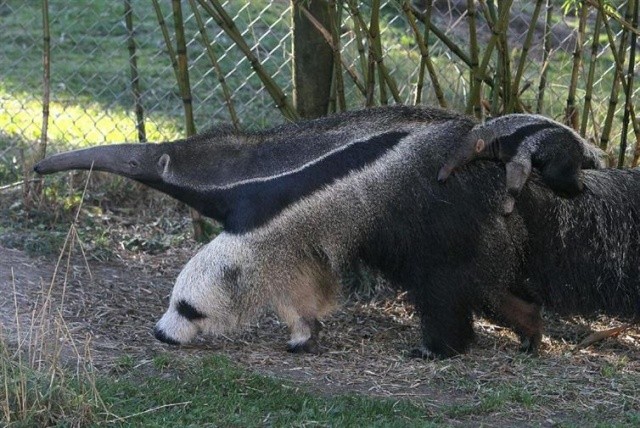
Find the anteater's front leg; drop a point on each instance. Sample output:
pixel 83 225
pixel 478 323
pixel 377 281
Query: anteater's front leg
pixel 304 336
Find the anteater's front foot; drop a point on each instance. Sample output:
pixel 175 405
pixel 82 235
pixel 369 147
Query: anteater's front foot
pixel 423 353
pixel 305 343
pixel 530 345
pixel 310 347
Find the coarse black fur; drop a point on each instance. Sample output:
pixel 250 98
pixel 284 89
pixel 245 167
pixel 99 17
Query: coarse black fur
pixel 448 245
pixel 244 179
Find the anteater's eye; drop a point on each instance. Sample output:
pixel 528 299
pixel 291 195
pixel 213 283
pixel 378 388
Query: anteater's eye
pixel 187 310
pixel 133 163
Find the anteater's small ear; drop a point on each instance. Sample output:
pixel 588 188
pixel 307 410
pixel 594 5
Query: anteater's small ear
pixel 163 164
pixel 479 145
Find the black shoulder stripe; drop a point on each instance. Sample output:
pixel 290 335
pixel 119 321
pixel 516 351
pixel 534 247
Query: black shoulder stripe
pixel 188 311
pixel 510 143
pixel 274 195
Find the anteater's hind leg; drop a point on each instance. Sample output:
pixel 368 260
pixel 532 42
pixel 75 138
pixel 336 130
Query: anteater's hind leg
pixel 311 295
pixel 517 174
pixel 524 318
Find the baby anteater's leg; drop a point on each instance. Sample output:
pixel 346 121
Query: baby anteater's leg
pixel 517 174
pixel 562 175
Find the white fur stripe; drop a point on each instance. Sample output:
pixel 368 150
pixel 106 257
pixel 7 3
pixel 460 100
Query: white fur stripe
pixel 265 179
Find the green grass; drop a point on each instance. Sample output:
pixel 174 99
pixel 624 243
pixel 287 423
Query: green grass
pixel 213 390
pixel 210 390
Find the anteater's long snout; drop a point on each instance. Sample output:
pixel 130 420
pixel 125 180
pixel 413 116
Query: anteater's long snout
pixel 117 158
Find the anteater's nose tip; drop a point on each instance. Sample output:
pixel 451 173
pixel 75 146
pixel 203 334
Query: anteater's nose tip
pixel 162 336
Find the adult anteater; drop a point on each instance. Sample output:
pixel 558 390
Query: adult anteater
pixel 448 245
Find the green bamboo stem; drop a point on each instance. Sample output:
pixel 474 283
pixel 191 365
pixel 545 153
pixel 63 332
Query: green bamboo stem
pixel 629 92
pixel 425 59
pixel 515 88
pixel 183 67
pixel 420 40
pixel 588 96
pixel 542 85
pixel 499 27
pixel 46 78
pixel 32 188
pixel 198 222
pixel 376 48
pixel 453 47
pixel 473 105
pixel 337 57
pixel 226 92
pixel 375 54
pixel 608 12
pixel 504 57
pixel 571 111
pixel 617 80
pixel 359 42
pixel 224 21
pixel 135 76
pixel 167 40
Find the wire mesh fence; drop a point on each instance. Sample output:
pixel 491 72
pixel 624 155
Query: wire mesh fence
pixel 91 95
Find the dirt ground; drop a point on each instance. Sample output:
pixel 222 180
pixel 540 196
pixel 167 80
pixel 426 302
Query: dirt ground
pixel 115 304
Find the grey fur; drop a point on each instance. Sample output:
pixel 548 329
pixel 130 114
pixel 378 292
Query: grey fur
pixel 243 179
pixel 523 141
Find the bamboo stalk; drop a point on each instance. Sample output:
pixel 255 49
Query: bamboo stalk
pixel 454 48
pixel 374 58
pixel 542 85
pixel 226 92
pixel 167 40
pixel 198 222
pixel 183 67
pixel 46 78
pixel 473 105
pixel 497 29
pixel 617 81
pixel 425 59
pixel 32 188
pixel 515 88
pixel 375 46
pixel 629 93
pixel 504 57
pixel 588 96
pixel 571 111
pixel 420 40
pixel 337 57
pixel 135 76
pixel 369 70
pixel 359 43
pixel 222 18
pixel 608 12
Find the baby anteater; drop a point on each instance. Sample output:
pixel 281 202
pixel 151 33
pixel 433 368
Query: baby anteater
pixel 523 141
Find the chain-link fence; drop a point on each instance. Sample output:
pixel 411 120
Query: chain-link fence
pixel 91 96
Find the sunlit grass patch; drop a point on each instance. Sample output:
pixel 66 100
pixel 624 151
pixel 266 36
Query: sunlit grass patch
pixel 76 125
